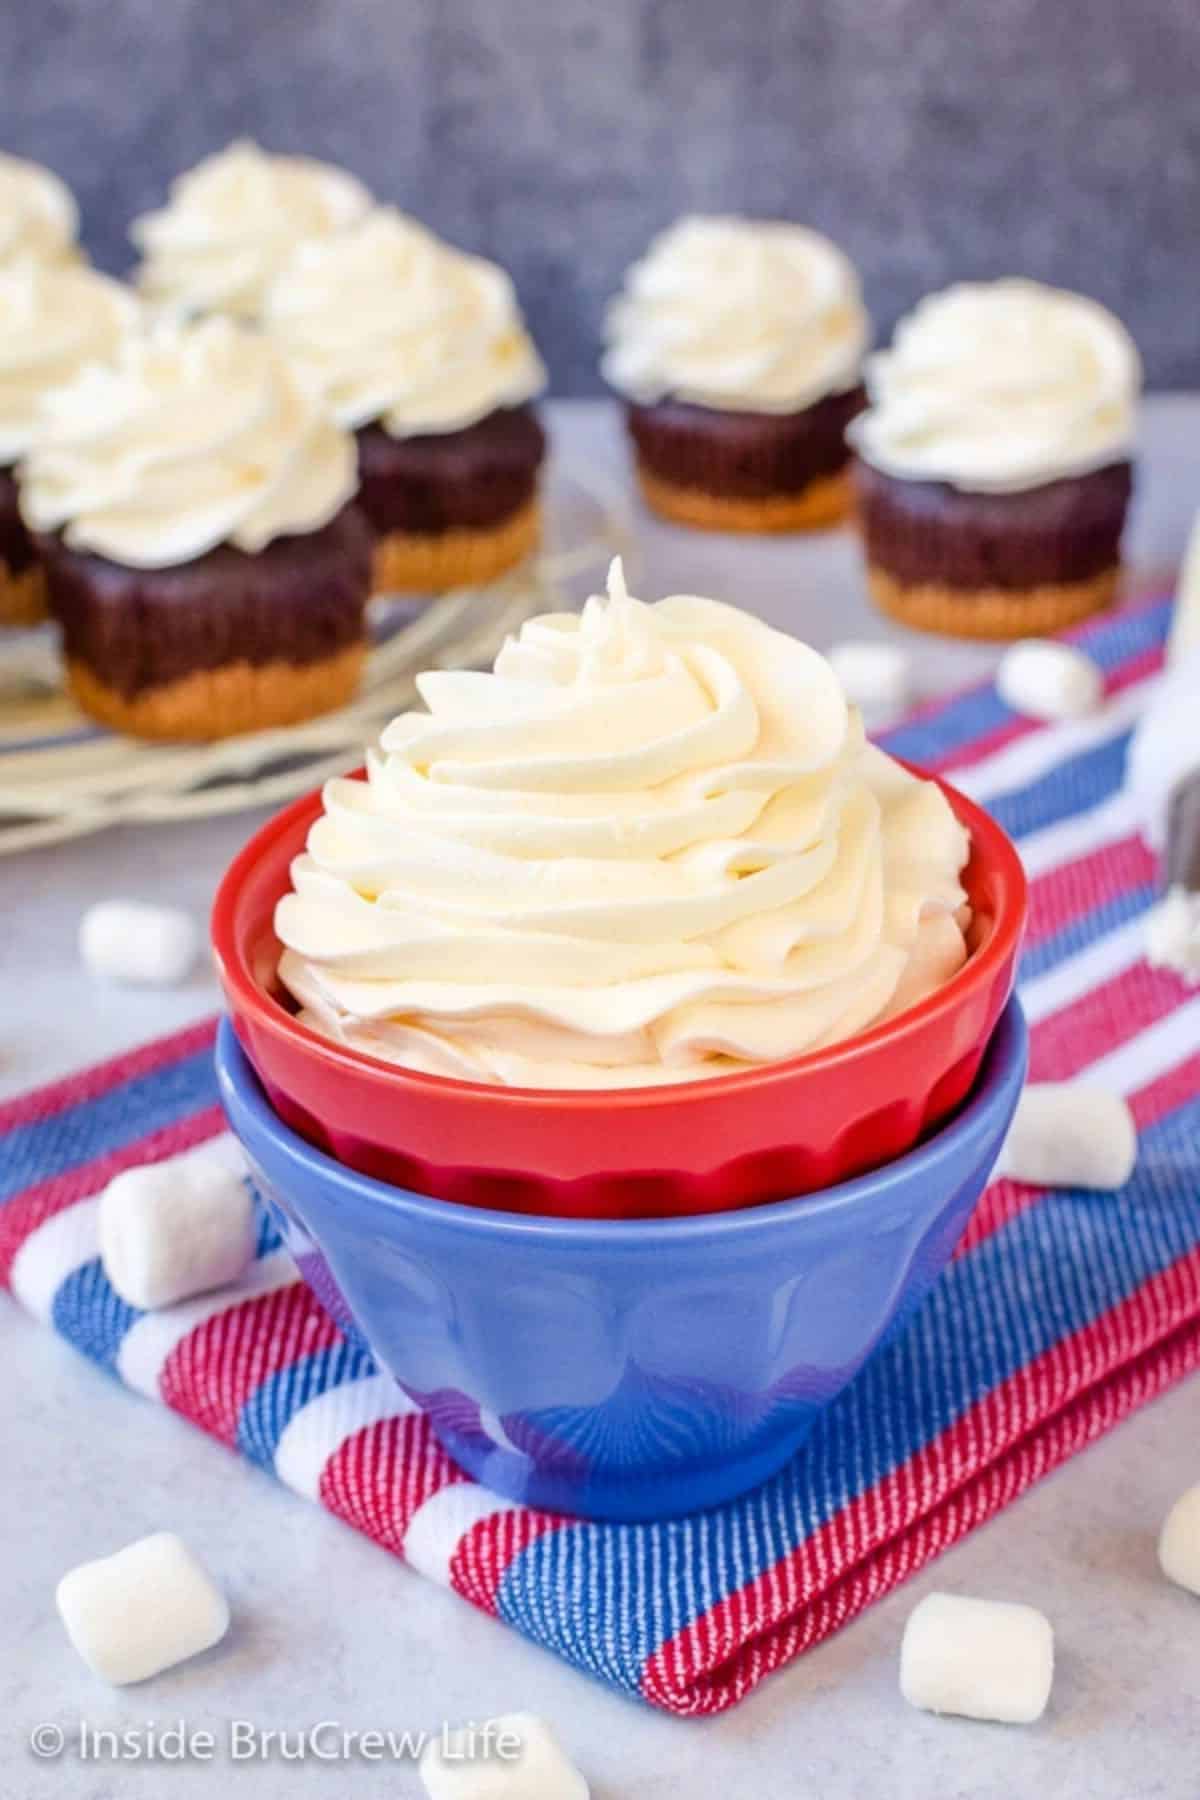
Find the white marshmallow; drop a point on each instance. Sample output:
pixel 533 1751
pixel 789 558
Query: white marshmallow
pixel 469 1765
pixel 1045 680
pixel 875 677
pixel 982 1659
pixel 172 1229
pixel 1069 1134
pixel 141 1610
pixel 1179 1542
pixel 1173 935
pixel 132 941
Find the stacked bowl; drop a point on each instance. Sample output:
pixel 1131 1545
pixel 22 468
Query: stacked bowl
pixel 630 1303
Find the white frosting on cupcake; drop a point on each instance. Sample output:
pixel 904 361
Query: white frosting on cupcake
pixel 652 846
pixel 997 387
pixel 38 216
pixel 391 324
pixel 743 315
pixel 232 222
pixel 197 435
pixel 54 319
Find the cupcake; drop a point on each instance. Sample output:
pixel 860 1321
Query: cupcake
pixel 38 216
pixel 190 504
pixel 994 468
pixel 653 846
pixel 420 350
pixel 55 317
pixel 738 345
pixel 231 223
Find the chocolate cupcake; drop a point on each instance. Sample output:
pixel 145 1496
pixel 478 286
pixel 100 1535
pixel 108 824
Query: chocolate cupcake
pixel 421 350
pixel 995 465
pixel 231 223
pixel 738 345
pixel 54 319
pixel 191 508
pixel 22 585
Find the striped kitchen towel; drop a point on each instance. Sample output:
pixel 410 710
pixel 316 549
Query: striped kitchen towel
pixel 1060 1313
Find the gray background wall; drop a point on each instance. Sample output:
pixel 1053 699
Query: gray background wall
pixel 1058 138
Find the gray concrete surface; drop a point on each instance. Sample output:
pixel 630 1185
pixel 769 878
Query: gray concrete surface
pixel 934 139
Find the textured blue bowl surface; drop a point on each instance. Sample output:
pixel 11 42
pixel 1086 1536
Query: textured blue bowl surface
pixel 627 1369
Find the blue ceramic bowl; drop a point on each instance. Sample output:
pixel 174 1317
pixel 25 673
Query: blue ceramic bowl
pixel 626 1369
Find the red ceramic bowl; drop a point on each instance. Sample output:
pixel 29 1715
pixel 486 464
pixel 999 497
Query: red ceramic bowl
pixel 771 1133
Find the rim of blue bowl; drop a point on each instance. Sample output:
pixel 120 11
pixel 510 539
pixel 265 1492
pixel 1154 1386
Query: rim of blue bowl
pixel 996 1087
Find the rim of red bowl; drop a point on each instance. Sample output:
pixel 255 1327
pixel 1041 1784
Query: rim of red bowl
pixel 989 842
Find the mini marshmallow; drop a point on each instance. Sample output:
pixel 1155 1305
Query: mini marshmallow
pixel 511 1758
pixel 1179 1542
pixel 131 941
pixel 875 677
pixel 1069 1134
pixel 1045 680
pixel 141 1610
pixel 982 1659
pixel 172 1229
pixel 1173 935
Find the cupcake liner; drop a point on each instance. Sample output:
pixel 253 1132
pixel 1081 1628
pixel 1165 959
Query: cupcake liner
pixel 824 502
pixel 22 595
pixel 222 702
pixel 992 612
pixel 422 563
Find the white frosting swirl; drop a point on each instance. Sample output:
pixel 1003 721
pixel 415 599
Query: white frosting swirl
pixel 743 315
pixel 652 846
pixel 38 215
pixel 54 319
pixel 391 324
pixel 996 387
pixel 232 222
pixel 198 435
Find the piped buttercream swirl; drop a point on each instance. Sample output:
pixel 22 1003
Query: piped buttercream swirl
pixel 197 435
pixel 55 318
pixel 652 846
pixel 231 223
pixel 997 387
pixel 391 324
pixel 38 215
pixel 743 315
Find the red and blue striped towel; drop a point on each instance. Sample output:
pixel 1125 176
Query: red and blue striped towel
pixel 1060 1313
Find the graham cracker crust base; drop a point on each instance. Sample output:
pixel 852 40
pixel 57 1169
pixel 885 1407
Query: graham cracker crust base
pixel 822 503
pixel 22 595
pixel 407 563
pixel 1000 613
pixel 224 702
